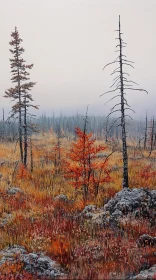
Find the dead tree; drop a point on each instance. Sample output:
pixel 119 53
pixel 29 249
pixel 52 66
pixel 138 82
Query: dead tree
pixel 146 124
pixel 86 180
pixel 151 137
pixel 31 156
pixel 106 130
pixel 3 128
pixel 121 83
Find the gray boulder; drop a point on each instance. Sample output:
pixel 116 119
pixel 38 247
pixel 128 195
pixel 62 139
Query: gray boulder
pixel 5 220
pixel 146 240
pixel 34 263
pixel 145 274
pixel 14 190
pixel 89 211
pixel 130 200
pixel 61 198
pixel 126 203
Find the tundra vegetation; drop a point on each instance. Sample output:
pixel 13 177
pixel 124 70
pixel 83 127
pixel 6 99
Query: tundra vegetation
pixel 64 213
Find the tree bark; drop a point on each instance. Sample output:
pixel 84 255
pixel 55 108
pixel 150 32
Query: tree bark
pixel 125 183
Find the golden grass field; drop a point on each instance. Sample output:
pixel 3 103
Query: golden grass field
pixel 41 224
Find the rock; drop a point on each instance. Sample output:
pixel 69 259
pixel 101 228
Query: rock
pixel 126 203
pixel 42 265
pixel 5 220
pixel 130 200
pixel 88 211
pixel 96 215
pixel 145 274
pixel 9 253
pixel 101 219
pixel 146 240
pixel 34 263
pixel 61 198
pixel 14 190
pixel 117 213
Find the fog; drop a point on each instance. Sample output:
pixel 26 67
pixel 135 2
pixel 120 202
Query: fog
pixel 69 42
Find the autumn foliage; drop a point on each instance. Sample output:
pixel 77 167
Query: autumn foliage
pixel 84 168
pixel 41 223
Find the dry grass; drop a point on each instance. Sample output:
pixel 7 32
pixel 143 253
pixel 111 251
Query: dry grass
pixel 40 224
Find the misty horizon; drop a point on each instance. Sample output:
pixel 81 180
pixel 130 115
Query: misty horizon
pixel 69 48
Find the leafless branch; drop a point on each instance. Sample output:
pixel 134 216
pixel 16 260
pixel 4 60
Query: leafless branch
pixel 110 64
pixel 112 98
pixel 109 91
pixel 139 89
pixel 113 112
pixel 129 109
pixel 115 106
pixel 128 64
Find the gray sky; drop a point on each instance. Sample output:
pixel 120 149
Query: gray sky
pixel 69 42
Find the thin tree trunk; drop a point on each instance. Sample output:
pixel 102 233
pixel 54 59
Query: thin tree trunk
pixel 20 112
pixel 3 133
pixel 124 142
pixel 20 130
pixel 152 138
pixel 84 159
pixel 145 141
pixel 31 156
pixel 25 133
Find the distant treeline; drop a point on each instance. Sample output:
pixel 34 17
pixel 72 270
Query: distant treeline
pixel 100 126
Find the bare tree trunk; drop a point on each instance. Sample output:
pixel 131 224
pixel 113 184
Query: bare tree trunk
pixel 31 157
pixel 152 138
pixel 3 132
pixel 106 136
pixel 25 132
pixel 124 142
pixel 20 126
pixel 122 83
pixel 85 187
pixel 145 141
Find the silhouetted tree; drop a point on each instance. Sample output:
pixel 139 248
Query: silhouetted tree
pixel 146 127
pixel 20 93
pixel 121 84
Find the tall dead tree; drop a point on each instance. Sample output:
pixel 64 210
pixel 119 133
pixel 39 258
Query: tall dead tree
pixel 85 161
pixel 146 127
pixel 19 93
pixel 3 125
pixel 151 137
pixel 121 83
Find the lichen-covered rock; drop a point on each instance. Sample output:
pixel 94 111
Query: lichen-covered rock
pixel 5 219
pixel 146 240
pixel 89 211
pixel 126 203
pixel 147 274
pixel 9 253
pixel 34 263
pixel 61 198
pixel 41 265
pixel 14 190
pixel 101 219
pixel 139 201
